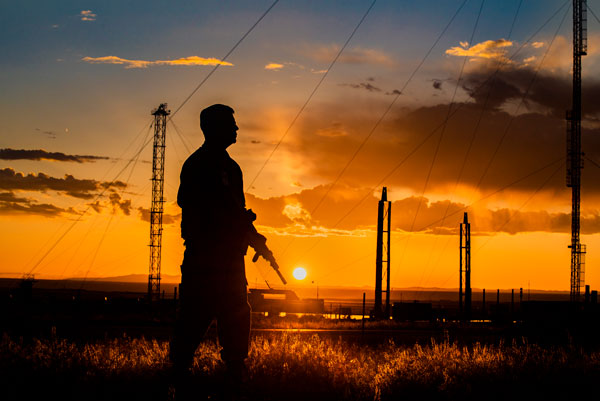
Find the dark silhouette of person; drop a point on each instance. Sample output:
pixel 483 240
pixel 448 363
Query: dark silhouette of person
pixel 217 230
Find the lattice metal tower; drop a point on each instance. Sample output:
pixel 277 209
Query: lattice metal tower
pixel 464 289
pixel 156 209
pixel 384 214
pixel 574 154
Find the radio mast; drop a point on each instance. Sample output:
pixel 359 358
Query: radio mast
pixel 574 154
pixel 156 209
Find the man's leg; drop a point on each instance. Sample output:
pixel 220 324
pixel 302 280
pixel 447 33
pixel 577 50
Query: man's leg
pixel 234 331
pixel 191 325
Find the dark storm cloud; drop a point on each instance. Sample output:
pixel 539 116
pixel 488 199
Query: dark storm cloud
pixel 497 151
pixel 15 181
pixel 11 204
pixel 551 93
pixel 40 154
pixel 437 84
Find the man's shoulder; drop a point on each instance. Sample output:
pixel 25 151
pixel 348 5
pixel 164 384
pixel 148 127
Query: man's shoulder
pixel 197 158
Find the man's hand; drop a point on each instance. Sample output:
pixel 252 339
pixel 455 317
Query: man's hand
pixel 259 243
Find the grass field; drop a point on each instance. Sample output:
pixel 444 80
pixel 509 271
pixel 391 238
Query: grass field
pixel 298 368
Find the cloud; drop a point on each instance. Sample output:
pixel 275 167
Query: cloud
pixel 10 204
pixel 87 15
pixel 537 45
pixel 120 204
pixel 69 185
pixel 289 215
pixel 296 213
pixel 363 85
pixel 185 61
pixel 357 55
pixel 167 218
pixel 437 84
pixel 40 154
pixel 490 49
pixel 273 66
pixel 547 91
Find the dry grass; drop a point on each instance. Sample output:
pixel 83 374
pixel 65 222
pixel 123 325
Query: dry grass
pixel 299 368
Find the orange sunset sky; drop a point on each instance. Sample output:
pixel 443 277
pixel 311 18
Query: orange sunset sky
pixel 453 105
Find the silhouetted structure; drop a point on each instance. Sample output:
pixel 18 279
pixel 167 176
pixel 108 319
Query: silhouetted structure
pixel 464 288
pixel 156 209
pixel 574 154
pixel 383 256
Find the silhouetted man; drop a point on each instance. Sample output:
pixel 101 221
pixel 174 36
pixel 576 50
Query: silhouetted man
pixel 217 229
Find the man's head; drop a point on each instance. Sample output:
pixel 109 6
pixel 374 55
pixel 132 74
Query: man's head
pixel 218 125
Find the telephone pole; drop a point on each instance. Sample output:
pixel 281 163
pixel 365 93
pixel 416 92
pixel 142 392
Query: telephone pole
pixel 574 154
pixel 464 289
pixel 156 209
pixel 384 214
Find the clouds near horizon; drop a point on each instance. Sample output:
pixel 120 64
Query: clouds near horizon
pixel 41 154
pixel 129 64
pixel 11 180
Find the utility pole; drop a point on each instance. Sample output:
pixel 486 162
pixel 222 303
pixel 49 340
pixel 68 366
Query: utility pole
pixel 384 214
pixel 574 154
pixel 464 289
pixel 156 209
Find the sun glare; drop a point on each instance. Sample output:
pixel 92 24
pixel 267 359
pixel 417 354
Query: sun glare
pixel 299 273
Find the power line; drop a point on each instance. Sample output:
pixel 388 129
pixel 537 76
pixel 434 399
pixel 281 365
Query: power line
pixel 106 187
pixel 472 140
pixel 428 136
pixel 311 94
pixel 491 159
pixel 494 192
pixel 523 205
pixel 223 59
pixel 387 110
pixel 382 117
pixel 439 143
pixel 445 124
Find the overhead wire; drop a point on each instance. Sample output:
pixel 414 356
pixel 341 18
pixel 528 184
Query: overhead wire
pixel 441 137
pixel 470 145
pixel 382 117
pixel 310 96
pixel 512 118
pixel 525 95
pixel 60 238
pixel 499 229
pixel 433 131
pixel 223 59
pixel 80 216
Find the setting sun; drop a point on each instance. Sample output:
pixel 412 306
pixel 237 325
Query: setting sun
pixel 299 273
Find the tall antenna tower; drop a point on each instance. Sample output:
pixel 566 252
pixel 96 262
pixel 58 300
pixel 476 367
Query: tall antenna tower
pixel 384 214
pixel 156 209
pixel 574 154
pixel 464 289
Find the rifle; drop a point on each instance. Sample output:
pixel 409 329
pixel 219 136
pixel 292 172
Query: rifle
pixel 259 243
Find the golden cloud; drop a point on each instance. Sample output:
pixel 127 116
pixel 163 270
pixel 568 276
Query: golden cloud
pixel 490 49
pixel 87 15
pixel 273 66
pixel 192 60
